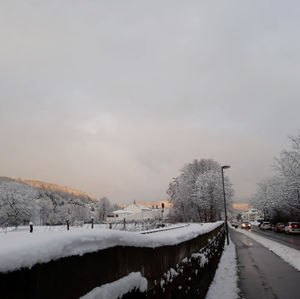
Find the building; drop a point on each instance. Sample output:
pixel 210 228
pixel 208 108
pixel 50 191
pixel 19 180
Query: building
pixel 136 208
pixel 138 212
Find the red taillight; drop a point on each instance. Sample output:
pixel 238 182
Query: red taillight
pixel 291 227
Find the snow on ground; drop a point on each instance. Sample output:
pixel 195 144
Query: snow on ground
pixel 119 287
pixel 129 226
pixel 175 226
pixel 24 249
pixel 225 281
pixel 288 254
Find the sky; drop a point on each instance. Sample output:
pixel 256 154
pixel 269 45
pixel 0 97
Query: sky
pixel 115 97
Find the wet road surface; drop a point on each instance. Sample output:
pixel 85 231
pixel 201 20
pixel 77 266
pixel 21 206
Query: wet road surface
pixel 287 240
pixel 262 274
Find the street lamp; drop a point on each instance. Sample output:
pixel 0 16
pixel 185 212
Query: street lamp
pixel 226 224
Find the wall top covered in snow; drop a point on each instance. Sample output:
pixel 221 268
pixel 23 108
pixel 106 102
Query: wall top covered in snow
pixel 23 249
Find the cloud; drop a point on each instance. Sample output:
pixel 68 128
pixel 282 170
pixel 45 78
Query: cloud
pixel 114 97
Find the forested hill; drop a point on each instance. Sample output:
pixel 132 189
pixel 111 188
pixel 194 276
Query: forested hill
pixel 55 187
pixel 26 200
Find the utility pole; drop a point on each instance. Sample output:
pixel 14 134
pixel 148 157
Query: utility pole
pixel 162 213
pixel 225 210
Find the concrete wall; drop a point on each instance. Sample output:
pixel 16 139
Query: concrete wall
pixel 75 276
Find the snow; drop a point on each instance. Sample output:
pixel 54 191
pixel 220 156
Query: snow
pixel 23 249
pixel 203 261
pixel 288 254
pixel 196 255
pixel 184 260
pixel 175 226
pixel 225 281
pixel 119 287
pixel 123 212
pixel 173 272
pixel 140 215
pixel 170 274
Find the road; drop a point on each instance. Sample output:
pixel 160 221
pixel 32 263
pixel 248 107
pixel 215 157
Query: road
pixel 262 274
pixel 288 240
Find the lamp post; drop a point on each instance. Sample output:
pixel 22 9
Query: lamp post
pixel 226 224
pixel 162 213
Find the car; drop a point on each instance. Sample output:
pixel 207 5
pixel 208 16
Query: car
pixel 279 227
pixel 234 224
pixel 265 225
pixel 292 228
pixel 245 225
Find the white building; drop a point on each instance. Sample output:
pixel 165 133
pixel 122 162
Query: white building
pixel 137 208
pixel 137 212
pixel 122 213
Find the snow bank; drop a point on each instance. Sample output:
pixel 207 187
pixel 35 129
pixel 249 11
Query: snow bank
pixel 225 281
pixel 119 287
pixel 23 249
pixel 288 254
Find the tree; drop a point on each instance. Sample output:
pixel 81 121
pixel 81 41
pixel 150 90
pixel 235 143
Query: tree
pixel 210 192
pixel 17 203
pixel 279 196
pixel 45 208
pixel 21 202
pixel 196 194
pixel 103 208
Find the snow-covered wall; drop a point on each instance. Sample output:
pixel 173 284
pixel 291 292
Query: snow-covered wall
pixel 96 259
pixel 24 250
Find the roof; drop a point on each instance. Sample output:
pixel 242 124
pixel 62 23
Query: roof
pixel 142 207
pixel 123 212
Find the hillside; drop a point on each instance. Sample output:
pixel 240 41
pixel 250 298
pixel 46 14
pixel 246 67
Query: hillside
pixel 22 201
pixel 55 187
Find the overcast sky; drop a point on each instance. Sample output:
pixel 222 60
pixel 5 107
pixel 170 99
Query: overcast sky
pixel 114 97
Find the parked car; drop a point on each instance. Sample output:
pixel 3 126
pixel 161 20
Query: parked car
pixel 260 221
pixel 292 228
pixel 246 225
pixel 279 227
pixel 234 224
pixel 266 225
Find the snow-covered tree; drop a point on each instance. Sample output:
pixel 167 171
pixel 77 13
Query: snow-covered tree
pixel 210 193
pixel 103 208
pixel 17 203
pixel 197 194
pixel 45 210
pixel 279 196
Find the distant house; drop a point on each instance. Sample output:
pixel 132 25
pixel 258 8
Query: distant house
pixel 137 212
pixel 122 213
pixel 136 208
